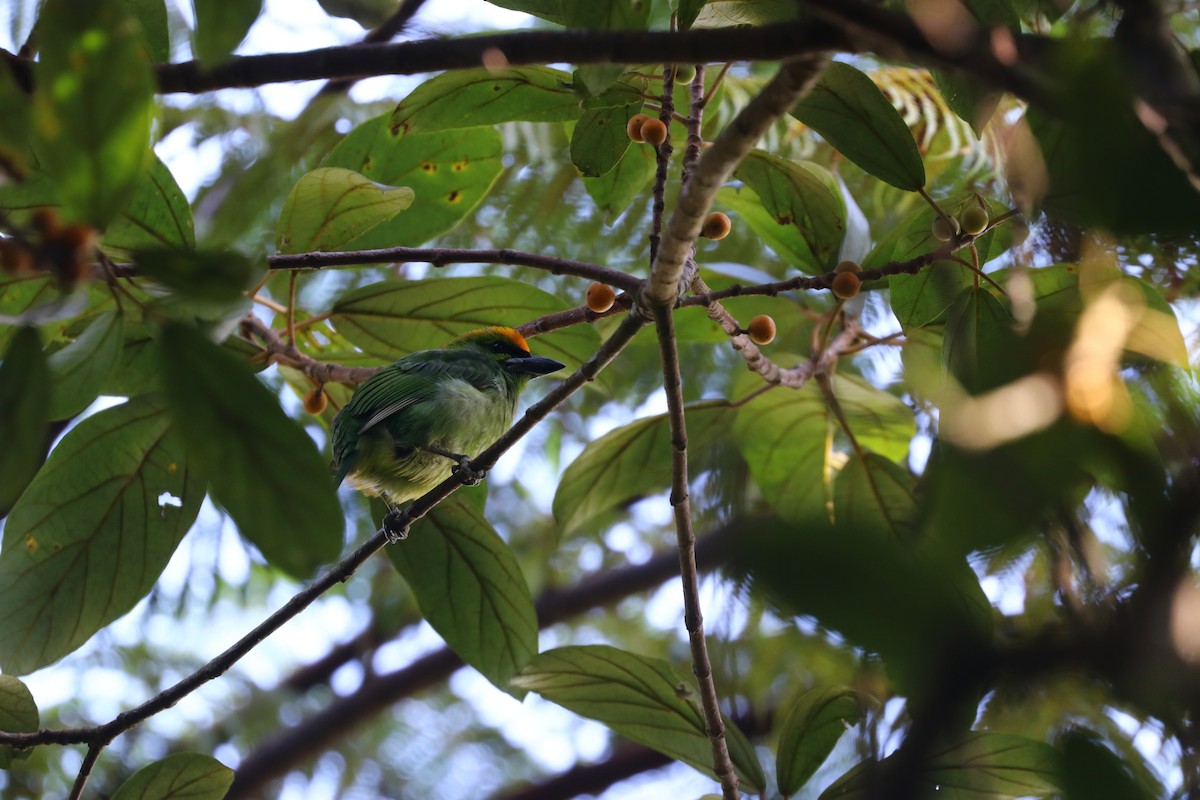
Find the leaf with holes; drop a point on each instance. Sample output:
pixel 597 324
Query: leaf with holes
pixel 643 699
pixel 449 174
pixel 90 536
pixel 471 97
pixel 394 318
pixel 470 589
pixel 804 196
pixel 264 468
pixel 181 776
pixel 809 732
pixel 330 207
pixel 854 116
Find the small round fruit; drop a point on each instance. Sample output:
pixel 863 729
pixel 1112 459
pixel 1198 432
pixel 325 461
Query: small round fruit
pixel 945 228
pixel 845 285
pixel 600 297
pixel 762 329
pixel 654 132
pixel 685 73
pixel 848 266
pixel 974 220
pixel 315 401
pixel 634 126
pixel 715 226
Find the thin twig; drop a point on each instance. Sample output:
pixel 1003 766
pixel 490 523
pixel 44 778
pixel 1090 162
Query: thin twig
pixel 662 157
pixel 441 256
pixel 85 770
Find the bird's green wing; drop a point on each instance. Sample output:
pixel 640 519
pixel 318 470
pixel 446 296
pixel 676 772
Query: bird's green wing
pixel 410 381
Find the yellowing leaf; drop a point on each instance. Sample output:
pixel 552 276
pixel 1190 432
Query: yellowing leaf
pixel 331 207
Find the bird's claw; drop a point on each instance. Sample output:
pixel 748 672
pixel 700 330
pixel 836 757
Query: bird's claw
pixel 468 476
pixel 394 526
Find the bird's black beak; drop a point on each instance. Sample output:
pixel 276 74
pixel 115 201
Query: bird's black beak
pixel 532 365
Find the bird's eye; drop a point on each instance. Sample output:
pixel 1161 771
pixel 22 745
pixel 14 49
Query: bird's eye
pixel 497 347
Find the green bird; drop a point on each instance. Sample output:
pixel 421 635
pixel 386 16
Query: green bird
pixel 408 427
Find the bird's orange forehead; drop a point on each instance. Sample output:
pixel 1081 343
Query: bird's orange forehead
pixel 499 330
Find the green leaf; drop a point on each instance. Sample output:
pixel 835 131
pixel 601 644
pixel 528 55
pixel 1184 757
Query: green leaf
pixel 449 173
pixel 367 13
pixel 615 190
pixel 785 240
pixel 873 491
pixel 855 117
pixel 93 105
pixel 18 714
pixel 782 437
pixel 732 13
pixel 881 422
pixel 157 217
pixel 264 468
pixel 979 341
pixel 216 277
pixel 608 14
pixel 470 589
pixel 600 140
pixel 916 607
pixel 15 125
pixel 79 370
pixel 802 195
pixel 391 319
pixel 137 366
pixel 1092 771
pixel 786 436
pixel 971 100
pixel 984 766
pixel 631 462
pixel 24 414
pixel 330 207
pixel 810 731
pixel 221 25
pixel 90 536
pixel 688 11
pixel 471 97
pixel 152 19
pixel 181 776
pixel 1139 189
pixel 641 698
pixel 549 10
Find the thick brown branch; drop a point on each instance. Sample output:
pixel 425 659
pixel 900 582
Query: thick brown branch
pixel 537 47
pixel 790 84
